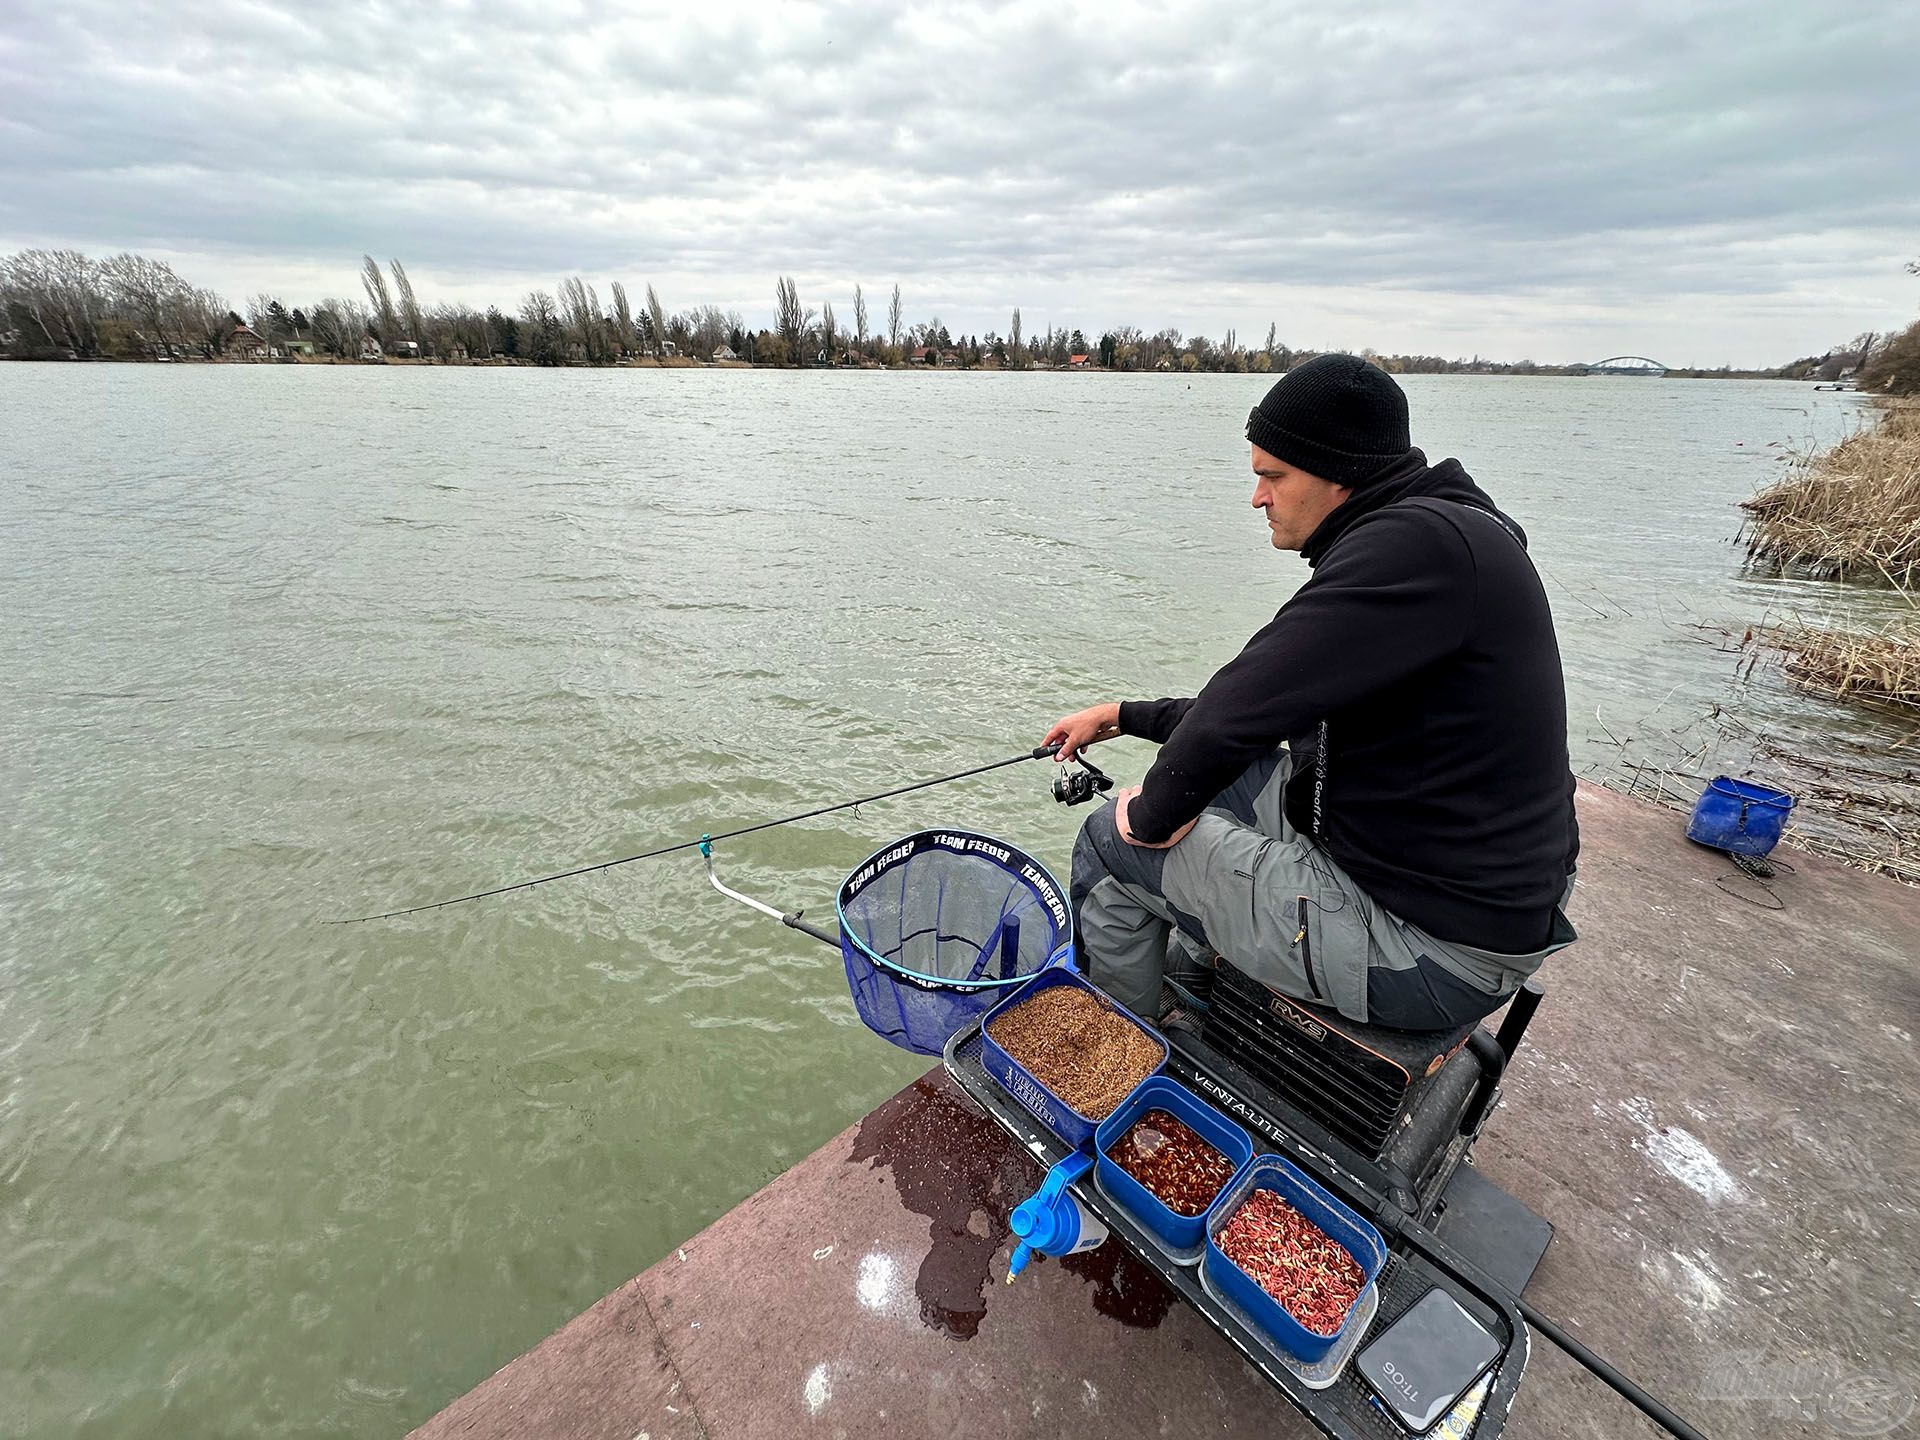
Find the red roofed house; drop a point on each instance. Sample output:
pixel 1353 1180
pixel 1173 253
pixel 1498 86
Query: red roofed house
pixel 1076 362
pixel 245 343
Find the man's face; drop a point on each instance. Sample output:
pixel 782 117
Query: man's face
pixel 1295 501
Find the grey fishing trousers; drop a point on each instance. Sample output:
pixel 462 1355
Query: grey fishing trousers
pixel 1244 882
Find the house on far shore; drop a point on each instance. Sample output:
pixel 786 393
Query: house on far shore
pixel 922 355
pixel 404 349
pixel 245 344
pixel 370 349
pixel 1077 362
pixel 723 353
pixel 950 359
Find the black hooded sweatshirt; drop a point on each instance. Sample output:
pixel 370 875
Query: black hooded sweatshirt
pixel 1416 680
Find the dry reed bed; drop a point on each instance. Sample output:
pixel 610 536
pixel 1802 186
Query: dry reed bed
pixel 1880 668
pixel 1852 513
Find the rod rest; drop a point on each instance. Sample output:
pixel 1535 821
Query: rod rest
pixel 1493 1064
pixel 1495 1051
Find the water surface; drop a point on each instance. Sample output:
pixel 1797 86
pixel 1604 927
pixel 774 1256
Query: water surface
pixel 291 643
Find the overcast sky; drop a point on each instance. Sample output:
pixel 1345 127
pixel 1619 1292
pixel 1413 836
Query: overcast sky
pixel 1733 183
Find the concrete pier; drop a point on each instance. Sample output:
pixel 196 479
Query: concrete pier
pixel 1711 1108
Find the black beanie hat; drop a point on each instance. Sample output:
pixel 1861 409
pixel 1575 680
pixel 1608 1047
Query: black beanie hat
pixel 1336 417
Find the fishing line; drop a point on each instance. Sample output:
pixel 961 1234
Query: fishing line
pixel 1039 753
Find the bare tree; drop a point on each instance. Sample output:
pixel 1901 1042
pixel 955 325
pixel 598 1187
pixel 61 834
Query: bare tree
pixel 541 340
pixel 706 328
pixel 409 308
pixel 59 293
pixel 680 331
pixel 622 319
pixel 580 311
pixel 793 322
pixel 338 328
pixel 77 291
pixel 1013 336
pixel 376 287
pixel 158 300
pixel 205 320
pixel 657 315
pixel 893 318
pixel 827 332
pixel 459 327
pixel 859 320
pixel 263 314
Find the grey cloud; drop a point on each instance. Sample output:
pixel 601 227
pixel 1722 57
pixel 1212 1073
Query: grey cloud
pixel 1613 155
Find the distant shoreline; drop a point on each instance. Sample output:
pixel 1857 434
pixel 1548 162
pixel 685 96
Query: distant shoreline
pixel 1550 372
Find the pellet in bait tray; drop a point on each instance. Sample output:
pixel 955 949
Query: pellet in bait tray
pixel 1088 1054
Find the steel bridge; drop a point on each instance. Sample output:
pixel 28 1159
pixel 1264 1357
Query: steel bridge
pixel 1623 365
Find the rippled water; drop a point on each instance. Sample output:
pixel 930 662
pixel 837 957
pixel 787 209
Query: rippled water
pixel 291 643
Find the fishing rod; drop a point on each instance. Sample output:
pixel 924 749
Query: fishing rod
pixel 1041 752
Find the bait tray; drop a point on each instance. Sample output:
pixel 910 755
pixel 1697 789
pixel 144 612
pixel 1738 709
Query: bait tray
pixel 1321 1373
pixel 1019 1082
pixel 1181 1238
pixel 1321 1210
pixel 1344 1408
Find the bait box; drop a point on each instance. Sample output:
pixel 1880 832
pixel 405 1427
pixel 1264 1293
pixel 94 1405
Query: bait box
pixel 1319 1374
pixel 1181 1237
pixel 1045 1106
pixel 1335 1220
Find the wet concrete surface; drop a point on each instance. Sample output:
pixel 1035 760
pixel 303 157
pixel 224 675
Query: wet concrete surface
pixel 1711 1107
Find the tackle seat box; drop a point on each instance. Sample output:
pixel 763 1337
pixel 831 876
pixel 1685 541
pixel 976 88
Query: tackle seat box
pixel 1361 1081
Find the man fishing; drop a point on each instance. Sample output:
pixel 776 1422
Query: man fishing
pixel 1370 807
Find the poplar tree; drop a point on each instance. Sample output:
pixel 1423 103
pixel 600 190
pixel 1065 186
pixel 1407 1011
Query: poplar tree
pixel 622 319
pixel 409 307
pixel 377 297
pixel 657 318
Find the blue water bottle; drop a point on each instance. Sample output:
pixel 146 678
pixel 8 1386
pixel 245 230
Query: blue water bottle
pixel 1051 1221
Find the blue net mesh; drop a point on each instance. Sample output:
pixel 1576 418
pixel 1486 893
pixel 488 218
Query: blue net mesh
pixel 937 926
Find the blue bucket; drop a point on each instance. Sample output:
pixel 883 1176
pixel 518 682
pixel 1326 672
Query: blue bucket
pixel 1739 816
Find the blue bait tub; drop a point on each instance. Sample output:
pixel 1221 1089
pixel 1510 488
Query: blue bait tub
pixel 1293 1185
pixel 1045 1106
pixel 1179 1235
pixel 1739 816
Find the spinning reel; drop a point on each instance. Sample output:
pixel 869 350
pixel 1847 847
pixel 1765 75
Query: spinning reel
pixel 1076 786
